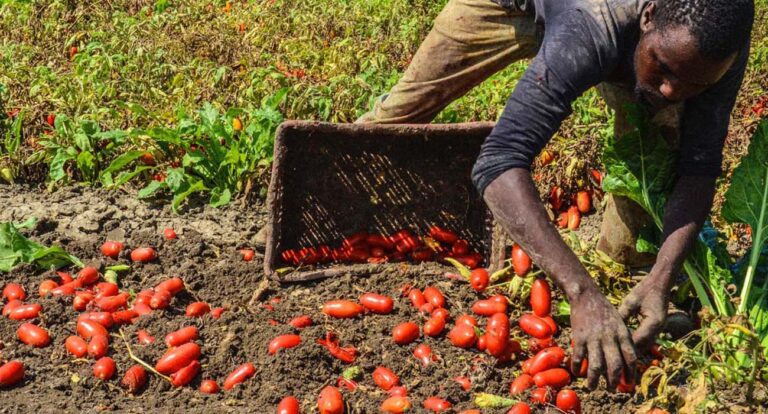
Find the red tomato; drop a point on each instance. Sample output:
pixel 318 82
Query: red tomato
pixel 125 317
pixel 395 405
pixel 169 233
pixel 301 322
pixel 546 359
pixel 134 379
pixel 177 358
pixel 283 342
pixel 551 323
pixel 65 289
pixel 112 303
pixel 417 298
pixel 379 241
pixel 521 383
pixel 434 296
pixel 33 335
pixel 342 309
pixel 112 249
pixel 160 299
pixel 398 391
pixel 463 336
pixel 145 338
pixel 436 404
pixel 211 387
pixel 11 373
pixel 76 346
pixel 562 220
pixel 98 345
pixel 385 378
pixel 434 326
pixel 583 202
pixel 488 307
pixel 46 286
pixel 143 254
pixel 197 309
pixel 377 303
pixel 443 235
pixel 23 312
pixel 405 333
pixel 497 331
pixel 104 368
pixel 536 345
pixel 521 262
pixel 520 408
pixel 574 218
pixel 248 254
pixel 288 405
pixel 239 375
pixel 51 118
pixel 87 276
pixel 460 248
pixel 13 291
pixel 479 279
pixel 10 306
pixel 541 396
pixel 541 297
pixel 423 353
pixel 216 312
pixel 555 378
pixel 464 382
pixel 482 342
pixel 172 286
pixel 104 319
pixel 182 336
pixel 81 301
pixel 330 401
pixel 535 326
pixel 441 313
pixel 185 375
pixel 568 401
pixel 466 319
pixel 624 386
pixel 106 289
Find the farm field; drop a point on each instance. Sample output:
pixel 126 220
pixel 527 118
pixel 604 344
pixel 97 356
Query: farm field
pixel 120 120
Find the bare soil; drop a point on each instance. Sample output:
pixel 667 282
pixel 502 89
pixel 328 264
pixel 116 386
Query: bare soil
pixel 205 255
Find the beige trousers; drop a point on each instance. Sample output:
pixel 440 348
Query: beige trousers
pixel 472 40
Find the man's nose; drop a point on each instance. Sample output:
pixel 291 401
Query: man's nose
pixel 671 91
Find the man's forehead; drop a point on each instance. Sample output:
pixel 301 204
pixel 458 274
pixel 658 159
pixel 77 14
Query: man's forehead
pixel 677 49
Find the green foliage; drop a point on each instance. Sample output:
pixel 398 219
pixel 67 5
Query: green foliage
pixel 640 166
pixel 15 249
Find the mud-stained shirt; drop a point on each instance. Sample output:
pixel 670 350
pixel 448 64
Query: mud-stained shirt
pixel 587 42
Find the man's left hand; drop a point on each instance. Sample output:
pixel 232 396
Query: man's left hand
pixel 648 301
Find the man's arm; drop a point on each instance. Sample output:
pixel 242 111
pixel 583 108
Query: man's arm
pixel 685 212
pixel 598 331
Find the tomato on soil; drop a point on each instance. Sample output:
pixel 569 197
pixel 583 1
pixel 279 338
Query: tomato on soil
pixel 181 336
pixel 135 378
pixel 521 383
pixel 112 249
pixel 239 375
pixel 423 353
pixel 76 346
pixel 185 375
pixel 405 333
pixel 554 378
pixel 568 401
pixel 330 401
pixel 143 254
pixel 521 262
pixel 437 405
pixel 211 387
pixel 479 279
pixel 197 309
pixel 169 234
pixel 396 405
pixel 377 303
pixel 104 368
pixel 520 408
pixel 463 336
pixel 385 378
pixel 283 342
pixel 11 373
pixel 535 326
pixel 33 335
pixel 177 358
pixel 13 291
pixel 541 297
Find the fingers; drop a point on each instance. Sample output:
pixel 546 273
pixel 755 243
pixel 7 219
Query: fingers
pixel 579 353
pixel 613 360
pixel 596 363
pixel 628 353
pixel 646 332
pixel 629 306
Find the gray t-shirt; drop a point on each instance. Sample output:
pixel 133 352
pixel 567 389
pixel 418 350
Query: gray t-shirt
pixel 587 42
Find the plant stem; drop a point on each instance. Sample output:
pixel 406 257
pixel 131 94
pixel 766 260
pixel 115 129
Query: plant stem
pixel 141 361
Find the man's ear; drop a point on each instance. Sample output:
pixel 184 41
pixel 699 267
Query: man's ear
pixel 647 17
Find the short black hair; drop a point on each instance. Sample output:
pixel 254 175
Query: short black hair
pixel 721 27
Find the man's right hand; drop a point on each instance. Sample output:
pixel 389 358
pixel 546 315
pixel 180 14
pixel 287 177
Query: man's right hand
pixel 600 336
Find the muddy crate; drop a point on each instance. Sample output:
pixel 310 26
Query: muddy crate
pixel 332 180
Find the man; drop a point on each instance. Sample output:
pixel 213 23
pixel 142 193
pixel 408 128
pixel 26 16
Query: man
pixel 683 59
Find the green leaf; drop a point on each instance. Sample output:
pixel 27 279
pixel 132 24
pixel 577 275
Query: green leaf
pixel 176 180
pixel 15 249
pixel 122 160
pixel 220 197
pixel 151 189
pixel 746 201
pixel 126 176
pixel 86 163
pixel 56 170
pixel 178 198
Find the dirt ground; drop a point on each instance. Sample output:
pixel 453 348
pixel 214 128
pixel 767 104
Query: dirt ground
pixel 205 256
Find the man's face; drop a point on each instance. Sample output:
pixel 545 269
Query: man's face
pixel 669 67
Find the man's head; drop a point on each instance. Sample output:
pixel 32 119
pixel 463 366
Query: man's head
pixel 686 46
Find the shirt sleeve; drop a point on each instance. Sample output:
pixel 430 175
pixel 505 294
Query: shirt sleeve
pixel 575 55
pixel 704 125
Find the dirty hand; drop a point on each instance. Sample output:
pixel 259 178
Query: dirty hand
pixel 600 337
pixel 648 300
